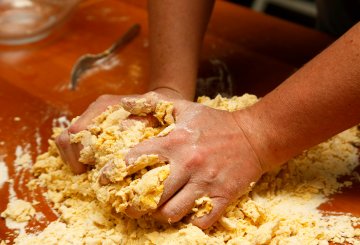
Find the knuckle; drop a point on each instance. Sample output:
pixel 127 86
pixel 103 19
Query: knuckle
pixel 212 175
pixel 223 201
pixel 165 143
pixel 197 156
pixel 151 95
pixel 180 136
pixel 195 159
pixel 207 181
pixel 102 98
pixel 224 194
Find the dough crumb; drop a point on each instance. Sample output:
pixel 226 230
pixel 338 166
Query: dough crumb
pixel 106 142
pixel 19 211
pixel 281 208
pixel 203 206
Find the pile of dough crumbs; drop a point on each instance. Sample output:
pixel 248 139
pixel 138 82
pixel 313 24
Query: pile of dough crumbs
pixel 281 208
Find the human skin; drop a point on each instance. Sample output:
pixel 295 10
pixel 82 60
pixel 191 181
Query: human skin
pixel 174 52
pixel 219 153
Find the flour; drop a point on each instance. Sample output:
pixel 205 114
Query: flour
pixel 61 122
pixel 23 157
pixel 4 175
pixel 19 211
pixel 14 225
pixel 281 208
pixel 106 143
pixel 38 140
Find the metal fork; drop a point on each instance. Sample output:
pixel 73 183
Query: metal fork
pixel 88 61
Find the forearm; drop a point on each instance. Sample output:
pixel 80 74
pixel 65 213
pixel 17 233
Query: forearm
pixel 317 102
pixel 176 33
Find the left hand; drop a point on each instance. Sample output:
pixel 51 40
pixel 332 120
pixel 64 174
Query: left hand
pixel 70 152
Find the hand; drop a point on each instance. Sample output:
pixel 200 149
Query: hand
pixel 209 155
pixel 70 152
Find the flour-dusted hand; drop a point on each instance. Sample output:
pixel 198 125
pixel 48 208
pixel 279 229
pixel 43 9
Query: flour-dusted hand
pixel 209 156
pixel 70 152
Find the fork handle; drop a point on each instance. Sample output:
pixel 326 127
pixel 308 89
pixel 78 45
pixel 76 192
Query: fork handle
pixel 124 39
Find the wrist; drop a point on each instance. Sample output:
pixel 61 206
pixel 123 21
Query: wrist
pixel 171 93
pixel 259 138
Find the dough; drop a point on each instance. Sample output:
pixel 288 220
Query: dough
pixel 106 143
pixel 281 208
pixel 19 210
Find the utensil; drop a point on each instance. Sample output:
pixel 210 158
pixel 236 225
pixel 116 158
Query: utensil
pixel 88 61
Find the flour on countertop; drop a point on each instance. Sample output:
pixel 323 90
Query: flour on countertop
pixel 281 208
pixel 19 211
pixel 106 143
pixel 4 175
pixel 61 122
pixel 23 157
pixel 38 140
pixel 19 227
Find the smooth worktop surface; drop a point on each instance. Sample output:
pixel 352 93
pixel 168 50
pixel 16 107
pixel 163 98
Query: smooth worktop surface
pixel 256 51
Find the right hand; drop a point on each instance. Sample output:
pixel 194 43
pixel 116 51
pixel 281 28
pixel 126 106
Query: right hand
pixel 209 155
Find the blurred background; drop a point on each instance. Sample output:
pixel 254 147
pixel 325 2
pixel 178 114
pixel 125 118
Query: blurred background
pixel 302 12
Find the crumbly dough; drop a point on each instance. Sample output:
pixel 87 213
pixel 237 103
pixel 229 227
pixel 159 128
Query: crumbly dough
pixel 202 206
pixel 106 143
pixel 281 208
pixel 19 210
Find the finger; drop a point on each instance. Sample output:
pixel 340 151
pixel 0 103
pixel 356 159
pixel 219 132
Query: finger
pixel 69 152
pixel 178 176
pixel 148 120
pixel 131 159
pixel 179 205
pixel 103 179
pixel 104 173
pixel 219 206
pixel 151 146
pixel 138 105
pixel 171 185
pixel 94 110
pixel 133 213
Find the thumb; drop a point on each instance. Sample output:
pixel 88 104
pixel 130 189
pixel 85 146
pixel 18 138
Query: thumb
pixel 146 153
pixel 94 110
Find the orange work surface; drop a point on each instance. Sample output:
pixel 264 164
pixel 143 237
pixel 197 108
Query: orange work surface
pixel 256 51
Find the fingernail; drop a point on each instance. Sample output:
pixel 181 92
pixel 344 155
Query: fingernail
pixel 103 180
pixel 105 173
